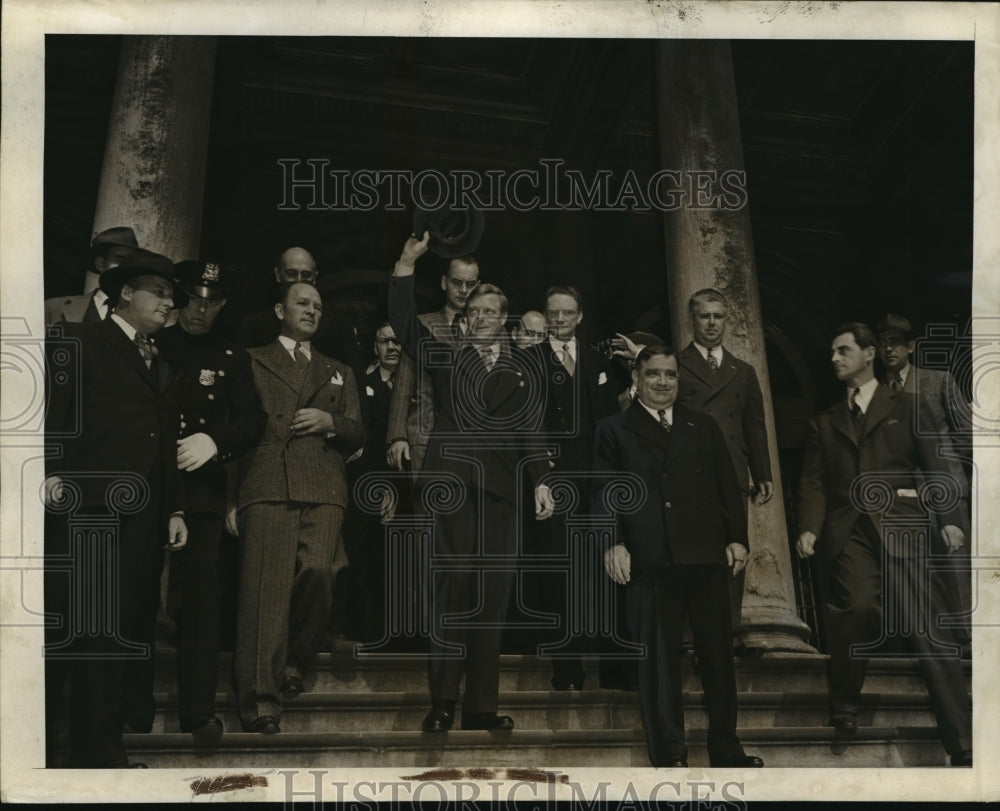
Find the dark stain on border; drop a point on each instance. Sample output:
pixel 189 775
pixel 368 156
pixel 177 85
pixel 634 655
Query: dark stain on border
pixel 227 782
pixel 526 775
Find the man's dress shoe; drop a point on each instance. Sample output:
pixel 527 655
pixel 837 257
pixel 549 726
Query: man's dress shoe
pixel 487 720
pixel 675 762
pixel 743 761
pixel 206 733
pixel 963 758
pixel 265 725
pixel 561 684
pixel 844 721
pixel 291 686
pixel 440 718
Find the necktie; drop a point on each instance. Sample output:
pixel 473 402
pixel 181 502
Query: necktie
pixel 301 361
pixel 145 349
pixel 456 326
pixel 390 380
pixel 712 362
pixel 487 354
pixel 664 421
pixel 897 382
pixel 108 307
pixel 567 360
pixel 855 408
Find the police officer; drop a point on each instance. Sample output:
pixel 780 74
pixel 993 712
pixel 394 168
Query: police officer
pixel 221 419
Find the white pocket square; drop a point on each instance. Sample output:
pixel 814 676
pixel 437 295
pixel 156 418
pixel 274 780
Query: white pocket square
pixel 602 378
pixel 369 391
pixel 337 379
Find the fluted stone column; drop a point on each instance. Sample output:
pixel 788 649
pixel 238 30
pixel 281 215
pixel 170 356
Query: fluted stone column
pixel 713 247
pixel 153 175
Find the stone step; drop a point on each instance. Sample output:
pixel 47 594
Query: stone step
pixel 779 747
pixel 346 673
pixel 550 710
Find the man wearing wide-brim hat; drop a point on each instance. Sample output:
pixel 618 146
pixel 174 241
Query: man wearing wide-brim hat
pixel 943 411
pixel 108 249
pixel 117 407
pixel 221 419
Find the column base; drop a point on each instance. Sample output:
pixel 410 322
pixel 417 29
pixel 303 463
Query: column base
pixel 776 630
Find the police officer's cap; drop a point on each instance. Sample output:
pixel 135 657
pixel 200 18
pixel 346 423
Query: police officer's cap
pixel 209 280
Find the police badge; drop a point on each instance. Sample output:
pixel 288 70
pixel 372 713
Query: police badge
pixel 207 377
pixel 211 272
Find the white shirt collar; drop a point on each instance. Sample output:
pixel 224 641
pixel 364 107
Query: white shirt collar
pixel 867 391
pixel 127 328
pixel 704 350
pixel 289 345
pixel 100 297
pixel 654 413
pixel 557 345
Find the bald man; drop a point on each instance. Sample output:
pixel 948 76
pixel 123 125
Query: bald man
pixel 335 336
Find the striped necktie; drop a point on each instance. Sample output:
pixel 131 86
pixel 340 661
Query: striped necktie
pixel 712 362
pixel 662 413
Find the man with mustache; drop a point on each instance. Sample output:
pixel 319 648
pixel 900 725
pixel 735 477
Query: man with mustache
pixel 292 498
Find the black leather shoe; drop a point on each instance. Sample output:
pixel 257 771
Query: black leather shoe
pixel 675 762
pixel 265 725
pixel 487 720
pixel 742 762
pixel 562 684
pixel 963 758
pixel 208 733
pixel 440 718
pixel 291 686
pixel 844 721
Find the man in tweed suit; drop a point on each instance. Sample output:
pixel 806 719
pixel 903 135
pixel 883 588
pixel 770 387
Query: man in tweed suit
pixel 942 406
pixel 292 497
pixel 411 407
pixel 715 382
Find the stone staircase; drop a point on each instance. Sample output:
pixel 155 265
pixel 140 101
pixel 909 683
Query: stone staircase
pixel 366 711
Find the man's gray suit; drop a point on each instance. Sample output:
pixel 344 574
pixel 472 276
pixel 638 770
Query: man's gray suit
pixel 292 497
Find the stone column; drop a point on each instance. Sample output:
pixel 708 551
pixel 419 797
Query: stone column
pixel 153 175
pixel 711 246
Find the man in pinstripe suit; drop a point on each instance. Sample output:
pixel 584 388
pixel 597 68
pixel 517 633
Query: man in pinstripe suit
pixel 292 497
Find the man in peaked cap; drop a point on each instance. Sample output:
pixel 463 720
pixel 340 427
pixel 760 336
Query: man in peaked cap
pixel 221 418
pixel 109 249
pixel 117 408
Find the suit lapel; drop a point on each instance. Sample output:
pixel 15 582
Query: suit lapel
pixel 319 371
pixel 681 434
pixel 276 360
pixel 840 420
pixel 879 408
pixel 641 422
pixel 506 380
pixel 725 375
pixel 910 384
pixel 117 338
pixel 692 360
